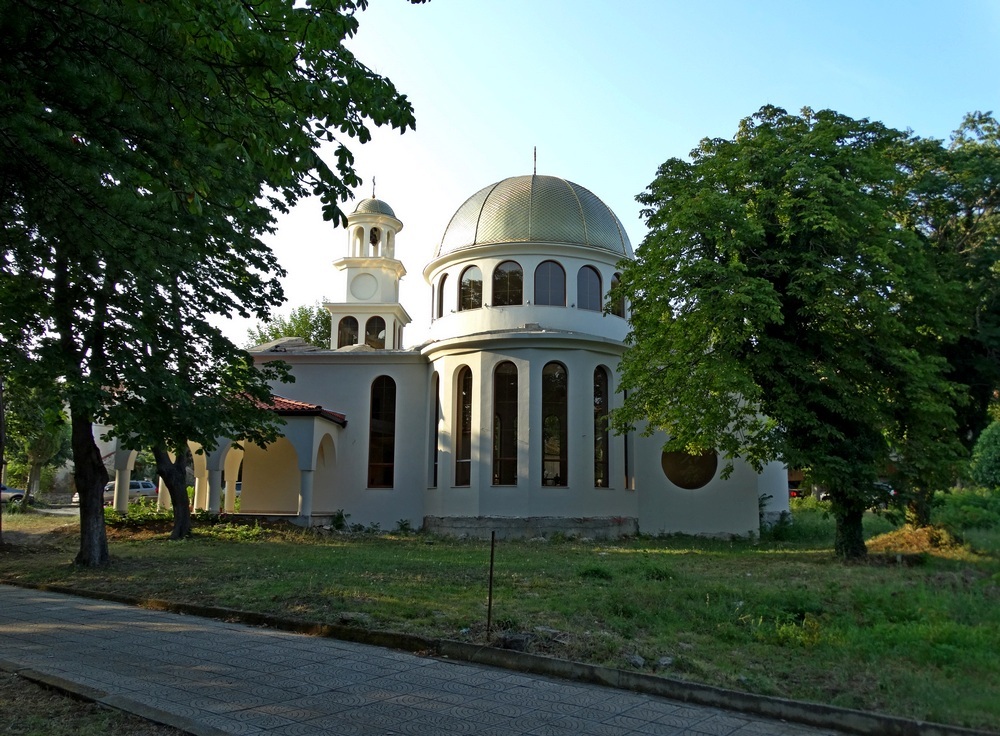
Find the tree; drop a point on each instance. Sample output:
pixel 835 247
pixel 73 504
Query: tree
pixel 954 196
pixel 985 465
pixel 311 323
pixel 144 150
pixel 773 303
pixel 37 430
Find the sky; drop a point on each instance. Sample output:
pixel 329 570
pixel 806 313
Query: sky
pixel 607 91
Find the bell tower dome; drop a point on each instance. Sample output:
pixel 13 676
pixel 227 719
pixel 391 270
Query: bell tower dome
pixel 370 314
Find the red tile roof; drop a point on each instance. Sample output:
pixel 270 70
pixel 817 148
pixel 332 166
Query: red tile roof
pixel 290 407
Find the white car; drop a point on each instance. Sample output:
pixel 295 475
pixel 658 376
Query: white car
pixel 12 494
pixel 136 489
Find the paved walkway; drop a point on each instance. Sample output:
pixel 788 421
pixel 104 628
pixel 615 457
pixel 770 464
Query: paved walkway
pixel 210 677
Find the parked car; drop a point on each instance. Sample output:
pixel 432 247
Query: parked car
pixel 881 495
pixel 136 489
pixel 12 494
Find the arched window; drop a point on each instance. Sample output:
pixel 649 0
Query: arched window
pixel 508 285
pixel 601 443
pixel 588 289
pixel 470 294
pixel 554 429
pixel 347 332
pixel 440 300
pixel 618 305
pixel 435 428
pixel 375 333
pixel 505 424
pixel 375 238
pixel 382 433
pixel 550 284
pixel 463 439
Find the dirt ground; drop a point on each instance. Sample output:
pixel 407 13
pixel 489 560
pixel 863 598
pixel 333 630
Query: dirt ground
pixel 27 709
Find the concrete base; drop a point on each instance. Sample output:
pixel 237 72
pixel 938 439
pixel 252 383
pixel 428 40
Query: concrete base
pixel 510 527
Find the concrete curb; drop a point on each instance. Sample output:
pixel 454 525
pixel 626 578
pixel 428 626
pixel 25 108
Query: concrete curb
pixel 806 713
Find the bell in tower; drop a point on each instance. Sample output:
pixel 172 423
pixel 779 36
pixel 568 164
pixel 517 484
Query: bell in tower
pixel 370 314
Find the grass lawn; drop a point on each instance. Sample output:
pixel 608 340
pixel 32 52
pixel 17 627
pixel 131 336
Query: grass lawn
pixel 914 632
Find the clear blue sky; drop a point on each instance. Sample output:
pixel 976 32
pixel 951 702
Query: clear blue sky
pixel 609 90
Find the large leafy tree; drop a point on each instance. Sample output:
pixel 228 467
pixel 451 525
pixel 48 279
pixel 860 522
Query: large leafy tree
pixel 779 311
pixel 310 322
pixel 144 150
pixel 954 197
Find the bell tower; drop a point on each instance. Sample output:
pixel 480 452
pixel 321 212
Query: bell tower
pixel 370 313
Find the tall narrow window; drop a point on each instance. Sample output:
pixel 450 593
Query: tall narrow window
pixel 628 470
pixel 618 305
pixel 601 443
pixel 375 333
pixel 375 239
pixel 471 289
pixel 588 289
pixel 554 429
pixel 435 428
pixel 508 285
pixel 440 296
pixel 382 433
pixel 463 439
pixel 505 424
pixel 347 332
pixel 550 284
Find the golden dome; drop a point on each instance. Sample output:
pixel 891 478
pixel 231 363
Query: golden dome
pixel 535 209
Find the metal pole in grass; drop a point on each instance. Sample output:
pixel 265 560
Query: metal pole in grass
pixel 489 598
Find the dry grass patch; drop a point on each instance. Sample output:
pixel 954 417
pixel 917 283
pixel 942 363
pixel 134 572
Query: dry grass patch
pixel 27 709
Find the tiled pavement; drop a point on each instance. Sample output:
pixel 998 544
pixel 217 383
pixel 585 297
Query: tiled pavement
pixel 212 677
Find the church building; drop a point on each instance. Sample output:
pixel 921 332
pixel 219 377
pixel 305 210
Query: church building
pixel 498 419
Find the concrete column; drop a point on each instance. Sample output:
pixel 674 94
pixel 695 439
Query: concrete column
pixel 200 494
pixel 214 490
pixel 163 497
pixel 306 497
pixel 123 477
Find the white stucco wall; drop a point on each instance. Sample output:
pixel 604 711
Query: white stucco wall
pixel 722 507
pixel 341 382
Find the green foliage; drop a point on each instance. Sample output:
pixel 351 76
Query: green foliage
pixel 596 572
pixel 147 150
pixel 311 323
pixel 339 520
pixel 141 513
pixel 403 526
pixel 985 465
pixel 232 532
pixel 963 510
pixel 37 434
pixel 772 307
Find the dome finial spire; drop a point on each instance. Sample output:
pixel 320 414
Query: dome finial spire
pixel 373 187
pixel 535 172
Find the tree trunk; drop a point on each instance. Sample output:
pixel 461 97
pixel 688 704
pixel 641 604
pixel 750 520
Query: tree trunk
pixel 918 509
pixel 174 475
pixel 849 544
pixel 34 481
pixel 3 442
pixel 90 477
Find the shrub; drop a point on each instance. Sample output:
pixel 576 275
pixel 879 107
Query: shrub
pixel 985 465
pixel 974 508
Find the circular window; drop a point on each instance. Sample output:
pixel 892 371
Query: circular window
pixel 364 286
pixel 689 471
